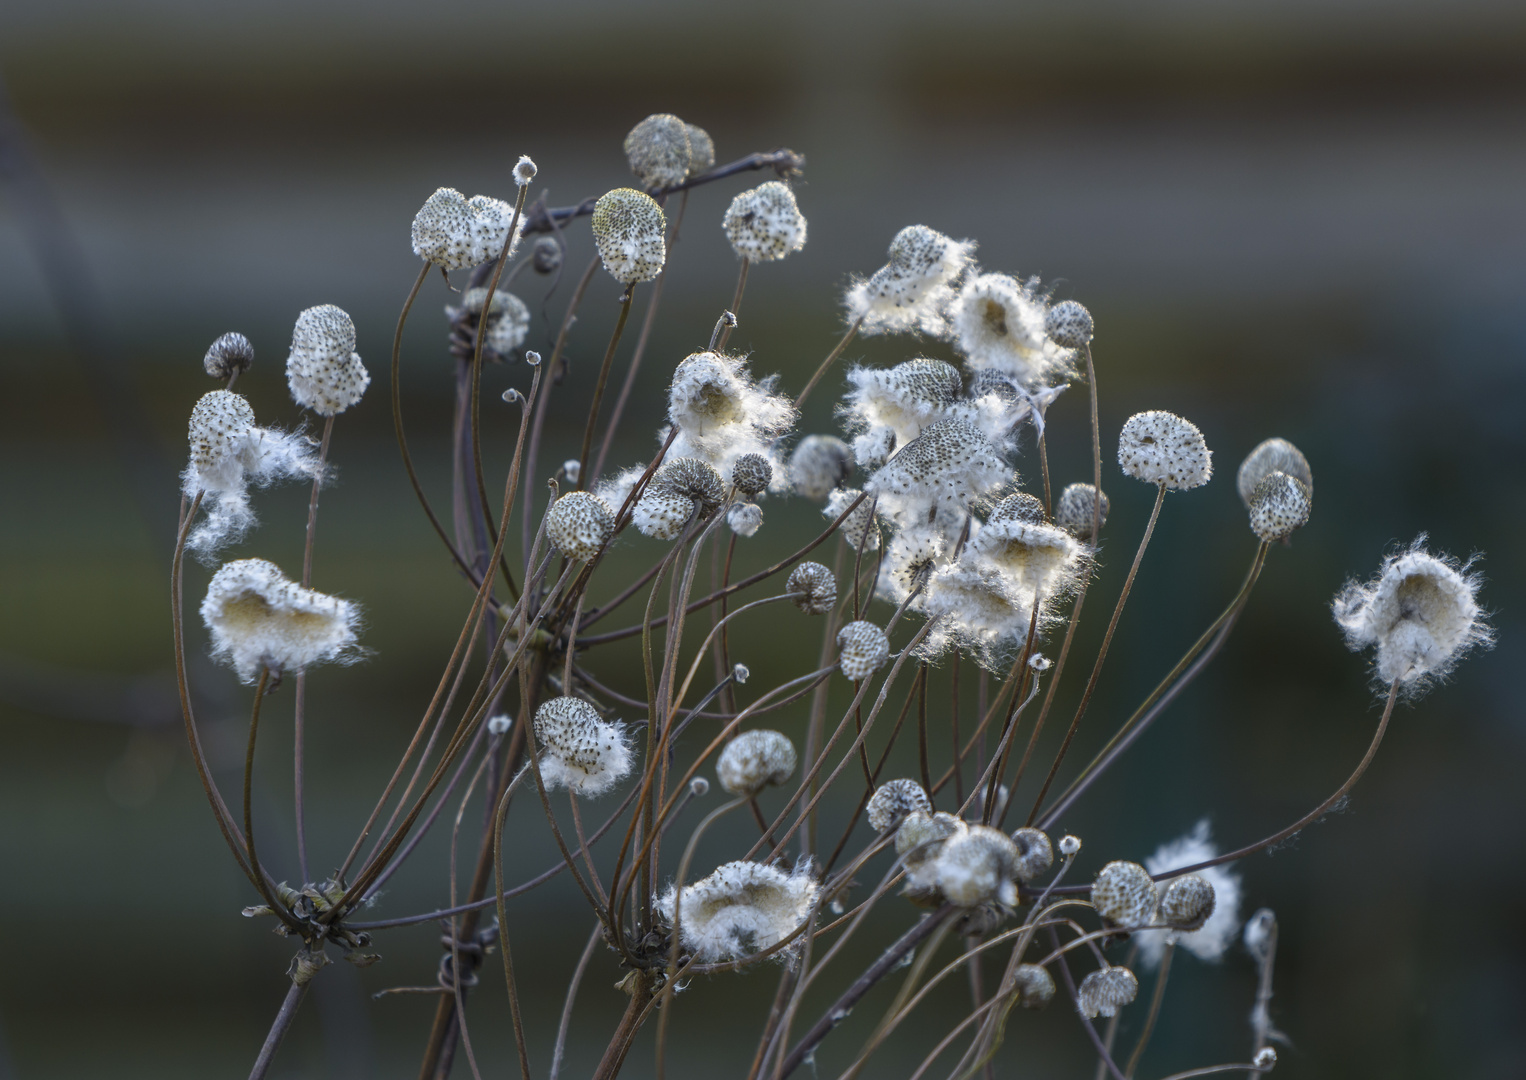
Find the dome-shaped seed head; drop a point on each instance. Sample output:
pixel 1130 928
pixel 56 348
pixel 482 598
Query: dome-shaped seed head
pixel 893 800
pixel 1162 448
pixel 977 866
pixel 1070 845
pixel 580 524
pixel 454 232
pixel 1279 505
pixel 1124 893
pixel 524 170
pixel 679 489
pixel 701 149
pixel 580 750
pixel 229 354
pixel 913 289
pixel 1019 506
pixel 1034 855
pixel 815 587
pixel 324 372
pixel 741 908
pixel 753 760
pixel 1073 512
pixel 744 518
pixel 751 473
pixel 934 382
pixel 863 649
pixel 1273 455
pixel 1188 902
pixel 1069 325
pixel 950 463
pixel 765 223
pixel 1105 991
pixel 921 834
pixel 707 391
pixel 659 151
pixel 860 529
pixel 546 255
pixel 819 465
pixel 508 320
pixel 999 384
pixel 258 618
pixel 220 422
pixel 1034 985
pixel 628 229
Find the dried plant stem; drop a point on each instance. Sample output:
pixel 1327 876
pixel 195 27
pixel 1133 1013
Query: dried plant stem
pixel 500 813
pixel 565 1024
pixel 299 708
pixel 837 351
pixel 736 304
pixel 639 986
pixel 254 860
pixel 1156 998
pixel 601 383
pixel 287 1013
pixel 1070 987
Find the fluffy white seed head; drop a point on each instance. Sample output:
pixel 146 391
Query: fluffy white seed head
pixel 454 232
pixel 1041 561
pixel 678 490
pixel 1034 854
pixel 259 618
pixel 744 518
pixel 1124 893
pixel 816 586
pixel 976 866
pixel 998 323
pixel 753 760
pixel 1265 1059
pixel 1279 505
pixel 324 371
pixel 820 464
pixel 1422 613
pixel 893 800
pixel 751 474
pixel 580 523
pixel 580 750
pixel 861 528
pixel 701 149
pixel 628 229
pixel 229 354
pixel 743 907
pixel 1106 990
pixel 889 407
pixel 1273 455
pixel 1214 895
pixel 913 290
pixel 659 150
pixel 524 170
pixel 1260 933
pixel 918 841
pixel 508 321
pixel 1188 902
pixel 863 649
pixel 1162 448
pixel 947 467
pixel 1034 985
pixel 1069 325
pixel 1073 511
pixel 1070 845
pixel 765 223
pixel 722 413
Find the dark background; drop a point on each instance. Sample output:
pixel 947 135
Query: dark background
pixel 1297 219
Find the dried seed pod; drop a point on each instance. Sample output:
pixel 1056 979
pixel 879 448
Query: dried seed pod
pixel 679 489
pixel 220 425
pixel 580 750
pixel 546 256
pixel 744 518
pixel 913 290
pixel 1124 893
pixel 765 223
pixel 1162 448
pixel 1279 505
pixel 258 618
pixel 751 473
pixel 1034 855
pixel 628 229
pixel 948 465
pixel 1073 512
pixel 324 371
pixel 1106 990
pixel 580 524
pixel 753 760
pixel 820 464
pixel 524 170
pixel 1034 984
pixel 229 354
pixel 701 149
pixel 977 866
pixel 1273 455
pixel 918 841
pixel 454 232
pixel 1188 903
pixel 864 649
pixel 816 586
pixel 893 800
pixel 1019 506
pixel 508 324
pixel 659 151
pixel 1069 325
pixel 740 908
pixel 1070 845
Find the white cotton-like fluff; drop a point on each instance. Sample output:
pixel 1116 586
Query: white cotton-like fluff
pixel 765 223
pixel 861 528
pixel 722 414
pixel 951 465
pixel 628 229
pixel 741 908
pixel 259 618
pixel 324 371
pixel 913 290
pixel 1027 562
pixel 1160 447
pixel 580 750
pixel 1222 927
pixel 228 453
pixel 755 759
pixel 910 558
pixel 818 466
pixel 744 518
pixel 1422 613
pixel 680 489
pixel 887 408
pixel 977 865
pixel 980 610
pixel 998 324
pixel 918 840
pixel 454 232
pixel 508 321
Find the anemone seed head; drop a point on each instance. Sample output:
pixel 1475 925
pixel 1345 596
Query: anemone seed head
pixel 258 618
pixel 998 324
pixel 913 290
pixel 765 224
pixel 741 908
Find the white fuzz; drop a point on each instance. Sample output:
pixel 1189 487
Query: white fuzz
pixel 753 760
pixel 1209 942
pixel 1069 845
pixel 324 371
pixel 580 750
pixel 580 524
pixel 860 528
pixel 455 232
pixel 1422 613
pixel 1124 893
pixel 258 618
pixel 1273 455
pixel 765 223
pixel 508 321
pixel 911 557
pixel 1106 990
pixel 951 464
pixel 681 488
pixel 1075 507
pixel 722 414
pixel 659 150
pixel 918 841
pixel 820 464
pixel 815 587
pixel 743 907
pixel 1162 448
pixel 914 289
pixel 1279 505
pixel 628 229
pixel 524 170
pixel 864 649
pixel 893 800
pixel 889 407
pixel 977 865
pixel 998 323
pixel 744 518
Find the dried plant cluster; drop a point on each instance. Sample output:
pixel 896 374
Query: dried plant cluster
pixel 933 552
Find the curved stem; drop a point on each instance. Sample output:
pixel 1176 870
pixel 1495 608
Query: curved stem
pixel 603 381
pixel 500 813
pixel 299 709
pixel 572 993
pixel 254 860
pixel 736 304
pixel 831 356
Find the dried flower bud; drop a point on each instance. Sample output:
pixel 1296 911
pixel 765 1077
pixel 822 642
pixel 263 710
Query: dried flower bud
pixel 740 673
pixel 1019 506
pixel 1034 855
pixel 1124 893
pixel 658 150
pixel 701 149
pixel 1073 512
pixel 751 473
pixel 1162 448
pixel 820 464
pixel 893 800
pixel 532 358
pixel 977 866
pixel 508 323
pixel 1279 505
pixel 1070 845
pixel 744 518
pixel 681 488
pixel 1188 902
pixel 579 749
pixel 1273 455
pixel 765 223
pixel 1106 990
pixel 580 524
pixel 860 528
pixel 753 760
pixel 524 170
pixel 864 649
pixel 229 354
pixel 741 908
pixel 454 232
pixel 546 255
pixel 324 371
pixel 1034 985
pixel 258 618
pixel 1265 1059
pixel 1069 325
pixel 699 787
pixel 628 229
pixel 816 586
pixel 512 396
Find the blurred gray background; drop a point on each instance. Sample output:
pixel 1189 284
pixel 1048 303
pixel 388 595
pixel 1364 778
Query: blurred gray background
pixel 1301 219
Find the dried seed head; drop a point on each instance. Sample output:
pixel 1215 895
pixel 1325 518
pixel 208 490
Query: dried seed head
pixel 228 354
pixel 913 290
pixel 816 586
pixel 740 673
pixel 741 908
pixel 546 256
pixel 1188 902
pixel 753 760
pixel 454 232
pixel 1106 990
pixel 889 407
pixel 1069 325
pixel 751 473
pixel 524 170
pixel 708 390
pixel 628 229
pixel 977 866
pixel 1019 507
pixel 893 800
pixel 579 749
pixel 765 223
pixel 220 423
pixel 1034 984
pixel 1273 455
pixel 1162 448
pixel 324 371
pixel 508 322
pixel 948 465
pixel 679 489
pixel 1265 1059
pixel 658 150
pixel 1070 845
pixel 860 529
pixel 258 618
pixel 819 464
pixel 1034 855
pixel 921 835
pixel 1073 512
pixel 1279 505
pixel 864 649
pixel 998 323
pixel 580 524
pixel 701 149
pixel 1260 932
pixel 699 787
pixel 1124 893
pixel 1182 898
pixel 744 518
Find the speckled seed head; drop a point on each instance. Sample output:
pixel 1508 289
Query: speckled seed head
pixel 933 382
pixel 580 524
pixel 524 170
pixel 1279 505
pixel 258 618
pixel 454 232
pixel 1073 512
pixel 816 586
pixel 765 224
pixel 324 371
pixel 628 229
pixel 1034 984
pixel 1273 455
pixel 950 463
pixel 1034 855
pixel 1124 893
pixel 546 255
pixel 753 760
pixel 1019 506
pixel 864 648
pixel 1069 325
pixel 913 289
pixel 977 866
pixel 1105 991
pixel 1069 845
pixel 1162 448
pixel 1188 903
pixel 751 473
pixel 580 750
pixel 508 320
pixel 701 149
pixel 228 354
pixel 860 529
pixel 819 464
pixel 744 518
pixel 893 800
pixel 678 489
pixel 220 422
pixel 659 151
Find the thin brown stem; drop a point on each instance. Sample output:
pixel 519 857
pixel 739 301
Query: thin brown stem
pixel 287 1013
pixel 1156 998
pixel 736 304
pixel 825 364
pixel 600 384
pixel 299 709
pixel 594 937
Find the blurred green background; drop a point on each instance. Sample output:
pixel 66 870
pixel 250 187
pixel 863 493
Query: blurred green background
pixel 1296 219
